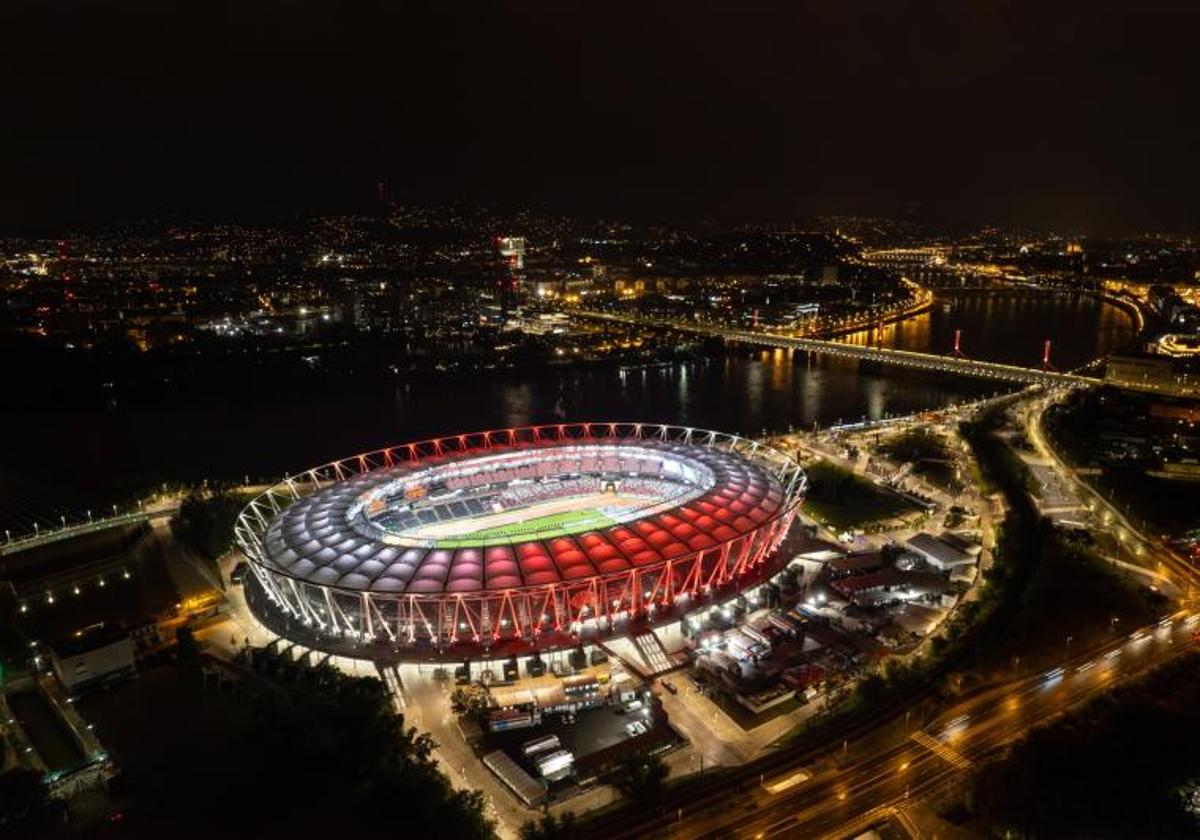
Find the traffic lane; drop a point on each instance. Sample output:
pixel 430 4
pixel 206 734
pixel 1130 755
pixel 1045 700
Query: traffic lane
pixel 826 782
pixel 830 794
pixel 905 772
pixel 1000 717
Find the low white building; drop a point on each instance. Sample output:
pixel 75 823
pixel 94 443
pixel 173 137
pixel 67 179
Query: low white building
pixel 938 554
pixel 93 657
pixel 964 574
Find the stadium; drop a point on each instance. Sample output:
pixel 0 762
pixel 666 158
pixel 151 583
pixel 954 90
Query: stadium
pixel 542 536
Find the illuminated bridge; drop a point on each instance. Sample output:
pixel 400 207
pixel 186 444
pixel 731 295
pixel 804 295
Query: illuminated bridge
pixel 71 530
pixel 956 364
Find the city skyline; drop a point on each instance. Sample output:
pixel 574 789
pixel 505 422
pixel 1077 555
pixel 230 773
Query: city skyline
pixel 541 421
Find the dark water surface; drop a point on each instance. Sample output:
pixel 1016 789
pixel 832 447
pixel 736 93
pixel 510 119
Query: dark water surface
pixel 64 462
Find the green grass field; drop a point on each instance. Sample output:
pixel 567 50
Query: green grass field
pixel 538 528
pixel 840 499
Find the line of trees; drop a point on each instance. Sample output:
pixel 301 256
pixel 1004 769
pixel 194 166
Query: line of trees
pixel 308 762
pixel 205 521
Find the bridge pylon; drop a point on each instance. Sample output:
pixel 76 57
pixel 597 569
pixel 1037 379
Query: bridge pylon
pixel 957 352
pixel 1046 364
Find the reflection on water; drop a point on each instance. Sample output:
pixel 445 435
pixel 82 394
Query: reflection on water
pixel 1010 327
pixel 744 392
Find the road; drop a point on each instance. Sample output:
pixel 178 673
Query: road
pixel 1181 573
pixel 840 801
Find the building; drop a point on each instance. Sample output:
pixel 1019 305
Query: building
pixel 512 250
pixel 513 708
pixel 856 563
pixel 518 708
pixel 93 657
pixel 530 790
pixel 888 586
pixel 385 547
pixel 1149 372
pixel 583 691
pixel 938 554
pixel 963 542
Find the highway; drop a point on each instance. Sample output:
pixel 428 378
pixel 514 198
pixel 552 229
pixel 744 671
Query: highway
pixel 842 801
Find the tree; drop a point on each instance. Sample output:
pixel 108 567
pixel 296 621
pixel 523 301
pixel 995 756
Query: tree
pixel 26 809
pixel 186 639
pixel 205 522
pixel 871 687
pixel 641 778
pixel 469 698
pixel 356 749
pixel 550 827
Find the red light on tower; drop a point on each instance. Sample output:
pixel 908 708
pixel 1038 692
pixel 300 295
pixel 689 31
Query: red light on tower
pixel 1046 365
pixel 957 351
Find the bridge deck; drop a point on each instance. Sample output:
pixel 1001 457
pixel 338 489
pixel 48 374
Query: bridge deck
pixel 883 355
pixel 71 531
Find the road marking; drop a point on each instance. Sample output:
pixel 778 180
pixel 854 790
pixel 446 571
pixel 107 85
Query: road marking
pixel 951 755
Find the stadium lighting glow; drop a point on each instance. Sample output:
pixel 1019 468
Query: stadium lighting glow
pixel 507 534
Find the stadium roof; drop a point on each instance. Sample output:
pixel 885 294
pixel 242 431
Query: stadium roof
pixel 322 539
pixel 939 553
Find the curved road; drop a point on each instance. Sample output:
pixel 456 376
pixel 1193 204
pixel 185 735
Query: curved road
pixel 842 801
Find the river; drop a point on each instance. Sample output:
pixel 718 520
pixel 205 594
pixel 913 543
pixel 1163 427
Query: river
pixel 59 462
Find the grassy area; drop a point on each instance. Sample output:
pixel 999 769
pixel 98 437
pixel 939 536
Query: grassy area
pixel 929 453
pixel 1077 430
pixel 205 520
pixel 540 527
pixel 1042 587
pixel 1071 592
pixel 840 499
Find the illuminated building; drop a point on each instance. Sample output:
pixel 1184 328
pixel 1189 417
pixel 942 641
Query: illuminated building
pixel 540 536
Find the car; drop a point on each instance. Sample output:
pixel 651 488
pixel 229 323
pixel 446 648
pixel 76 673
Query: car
pixel 669 687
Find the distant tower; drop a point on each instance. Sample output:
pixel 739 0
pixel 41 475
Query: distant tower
pixel 382 189
pixel 512 249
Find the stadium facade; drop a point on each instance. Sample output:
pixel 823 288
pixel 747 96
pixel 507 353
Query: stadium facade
pixel 544 536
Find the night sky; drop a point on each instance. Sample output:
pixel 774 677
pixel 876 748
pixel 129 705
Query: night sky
pixel 1084 116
